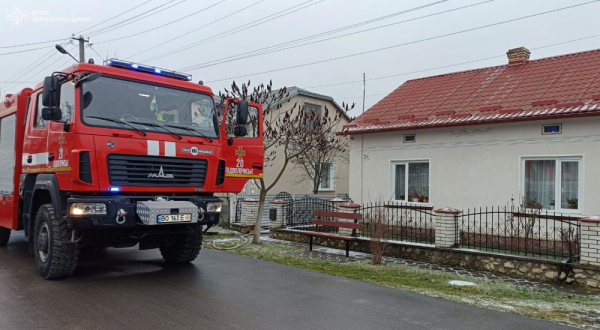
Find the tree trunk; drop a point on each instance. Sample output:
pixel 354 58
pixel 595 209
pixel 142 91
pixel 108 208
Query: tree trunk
pixel 261 205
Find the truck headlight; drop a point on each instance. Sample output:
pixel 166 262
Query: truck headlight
pixel 88 209
pixel 214 207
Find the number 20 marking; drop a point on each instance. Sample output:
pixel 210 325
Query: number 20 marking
pixel 240 162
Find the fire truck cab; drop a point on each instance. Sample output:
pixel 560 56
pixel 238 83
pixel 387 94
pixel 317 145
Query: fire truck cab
pixel 117 155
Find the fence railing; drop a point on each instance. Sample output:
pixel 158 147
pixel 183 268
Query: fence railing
pixel 403 222
pixel 520 232
pixel 300 213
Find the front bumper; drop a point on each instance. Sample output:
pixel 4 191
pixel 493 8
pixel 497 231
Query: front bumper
pixel 116 204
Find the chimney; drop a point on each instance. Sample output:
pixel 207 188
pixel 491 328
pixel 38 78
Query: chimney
pixel 518 55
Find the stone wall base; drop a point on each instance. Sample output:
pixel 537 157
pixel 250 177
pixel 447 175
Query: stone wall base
pixel 529 268
pixel 244 229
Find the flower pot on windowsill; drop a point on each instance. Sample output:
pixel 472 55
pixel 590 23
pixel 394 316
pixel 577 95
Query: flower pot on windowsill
pixel 426 199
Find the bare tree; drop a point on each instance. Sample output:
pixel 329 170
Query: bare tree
pixel 327 148
pixel 285 133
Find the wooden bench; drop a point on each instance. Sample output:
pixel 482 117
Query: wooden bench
pixel 335 224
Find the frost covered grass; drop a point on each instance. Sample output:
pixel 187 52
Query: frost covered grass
pixel 572 309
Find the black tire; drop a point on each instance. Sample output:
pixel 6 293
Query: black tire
pixel 55 257
pixel 184 248
pixel 4 236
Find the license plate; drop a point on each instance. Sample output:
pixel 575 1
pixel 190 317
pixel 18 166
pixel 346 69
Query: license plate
pixel 165 218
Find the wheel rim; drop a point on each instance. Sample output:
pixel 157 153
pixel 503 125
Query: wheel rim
pixel 43 245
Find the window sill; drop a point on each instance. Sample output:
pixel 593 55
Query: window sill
pixel 326 190
pixel 401 202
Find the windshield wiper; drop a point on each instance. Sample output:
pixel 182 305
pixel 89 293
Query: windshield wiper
pixel 156 125
pixel 190 129
pixel 120 122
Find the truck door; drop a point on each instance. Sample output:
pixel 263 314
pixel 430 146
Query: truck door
pixel 35 153
pixel 245 156
pixel 58 146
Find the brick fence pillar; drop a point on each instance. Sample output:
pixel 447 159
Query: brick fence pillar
pixel 446 227
pixel 347 208
pixel 249 211
pixel 590 241
pixel 280 220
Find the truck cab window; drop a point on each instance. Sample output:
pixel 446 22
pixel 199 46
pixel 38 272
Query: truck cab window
pixel 251 126
pixel 67 100
pixel 39 122
pixel 148 107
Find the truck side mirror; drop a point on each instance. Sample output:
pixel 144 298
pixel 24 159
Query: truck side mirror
pixel 51 93
pixel 240 131
pixel 242 113
pixel 54 114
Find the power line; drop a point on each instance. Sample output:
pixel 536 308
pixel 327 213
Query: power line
pixel 161 26
pixel 257 53
pixel 92 48
pixel 450 65
pixel 194 30
pixel 35 63
pixel 23 51
pixel 330 31
pixel 408 43
pixel 239 28
pixel 131 20
pixel 110 19
pixel 44 68
pixel 32 43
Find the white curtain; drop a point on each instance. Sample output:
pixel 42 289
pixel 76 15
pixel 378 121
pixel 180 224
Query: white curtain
pixel 569 184
pixel 418 179
pixel 400 185
pixel 540 183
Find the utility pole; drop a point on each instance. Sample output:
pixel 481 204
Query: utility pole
pixel 82 42
pixel 364 89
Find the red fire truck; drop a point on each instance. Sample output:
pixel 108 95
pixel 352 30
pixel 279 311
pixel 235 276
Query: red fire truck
pixel 117 155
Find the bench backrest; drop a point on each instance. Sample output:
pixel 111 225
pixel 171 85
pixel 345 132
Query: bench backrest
pixel 337 224
pixel 350 216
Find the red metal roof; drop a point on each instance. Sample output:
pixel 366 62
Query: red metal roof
pixel 554 87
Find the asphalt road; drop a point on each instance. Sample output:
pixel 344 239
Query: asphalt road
pixel 130 289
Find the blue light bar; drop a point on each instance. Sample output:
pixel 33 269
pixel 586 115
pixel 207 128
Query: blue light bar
pixel 114 189
pixel 148 69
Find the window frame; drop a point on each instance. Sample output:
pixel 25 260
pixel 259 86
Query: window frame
pixel 392 185
pixel 556 124
pixel 558 159
pixel 331 179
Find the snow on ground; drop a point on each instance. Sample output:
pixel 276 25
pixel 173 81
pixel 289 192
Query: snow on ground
pixel 461 283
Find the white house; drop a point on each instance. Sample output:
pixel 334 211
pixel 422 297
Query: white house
pixel 528 130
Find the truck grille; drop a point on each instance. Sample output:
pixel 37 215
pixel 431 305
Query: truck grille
pixel 128 170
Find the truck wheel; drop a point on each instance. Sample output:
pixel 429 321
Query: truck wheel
pixel 184 248
pixel 54 257
pixel 4 236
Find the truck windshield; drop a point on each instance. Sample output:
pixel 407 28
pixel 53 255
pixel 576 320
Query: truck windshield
pixel 108 101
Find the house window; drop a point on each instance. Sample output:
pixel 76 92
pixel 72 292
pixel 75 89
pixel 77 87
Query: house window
pixel 411 181
pixel 409 138
pixel 312 113
pixel 552 184
pixel 327 181
pixel 552 129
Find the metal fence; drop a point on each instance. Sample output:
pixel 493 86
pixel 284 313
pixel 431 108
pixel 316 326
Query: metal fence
pixel 520 232
pixel 300 212
pixel 403 222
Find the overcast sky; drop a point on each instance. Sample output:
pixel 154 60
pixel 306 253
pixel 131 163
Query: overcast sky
pixel 304 19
